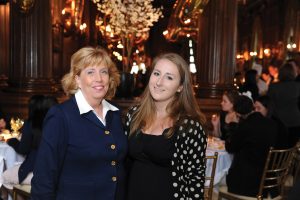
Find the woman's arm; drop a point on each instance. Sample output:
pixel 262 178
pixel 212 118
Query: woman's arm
pixel 192 158
pixel 50 156
pixel 215 121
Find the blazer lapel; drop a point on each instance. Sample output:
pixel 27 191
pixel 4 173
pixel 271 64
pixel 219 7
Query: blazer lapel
pixel 93 118
pixel 109 119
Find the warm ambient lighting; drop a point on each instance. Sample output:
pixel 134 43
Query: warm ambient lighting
pixel 72 15
pixel 184 18
pixel 267 52
pixel 192 64
pixel 291 46
pixel 253 53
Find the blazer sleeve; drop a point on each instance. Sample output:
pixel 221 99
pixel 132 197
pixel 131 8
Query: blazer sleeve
pixel 192 158
pixel 50 156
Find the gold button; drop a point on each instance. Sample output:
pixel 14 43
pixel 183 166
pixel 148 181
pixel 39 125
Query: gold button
pixel 114 179
pixel 106 132
pixel 113 163
pixel 112 146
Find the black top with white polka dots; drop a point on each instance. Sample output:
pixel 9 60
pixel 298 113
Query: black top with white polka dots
pixel 187 162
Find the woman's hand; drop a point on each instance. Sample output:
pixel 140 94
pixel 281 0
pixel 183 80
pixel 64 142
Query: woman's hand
pixel 215 121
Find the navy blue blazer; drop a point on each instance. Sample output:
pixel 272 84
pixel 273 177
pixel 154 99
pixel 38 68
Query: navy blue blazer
pixel 80 158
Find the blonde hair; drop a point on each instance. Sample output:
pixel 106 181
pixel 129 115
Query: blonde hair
pixel 184 103
pixel 90 56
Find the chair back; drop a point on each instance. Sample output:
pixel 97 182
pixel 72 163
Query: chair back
pixel 209 178
pixel 295 168
pixel 276 170
pixel 23 190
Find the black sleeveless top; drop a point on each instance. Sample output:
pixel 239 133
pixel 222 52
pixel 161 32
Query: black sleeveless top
pixel 150 172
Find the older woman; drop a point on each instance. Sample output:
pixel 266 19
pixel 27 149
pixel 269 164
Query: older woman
pixel 83 146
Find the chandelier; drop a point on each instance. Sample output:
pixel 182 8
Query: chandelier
pixel 72 16
pixel 184 18
pixel 125 24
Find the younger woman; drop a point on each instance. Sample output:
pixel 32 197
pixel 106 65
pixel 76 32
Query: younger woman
pixel 166 140
pixel 221 122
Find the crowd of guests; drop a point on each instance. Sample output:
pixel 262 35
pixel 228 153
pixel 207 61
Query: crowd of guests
pixel 252 121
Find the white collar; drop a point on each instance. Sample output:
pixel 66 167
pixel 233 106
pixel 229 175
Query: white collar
pixel 85 107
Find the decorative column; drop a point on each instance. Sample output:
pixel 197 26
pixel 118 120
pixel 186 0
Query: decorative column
pixel 216 48
pixel 30 62
pixel 57 41
pixel 31 49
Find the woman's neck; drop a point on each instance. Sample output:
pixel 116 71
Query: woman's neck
pixel 98 108
pixel 161 108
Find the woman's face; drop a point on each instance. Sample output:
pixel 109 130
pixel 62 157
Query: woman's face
pixel 164 81
pixel 94 83
pixel 260 108
pixel 226 104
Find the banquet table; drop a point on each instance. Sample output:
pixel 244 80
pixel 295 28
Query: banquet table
pixel 223 162
pixel 8 158
pixel 9 155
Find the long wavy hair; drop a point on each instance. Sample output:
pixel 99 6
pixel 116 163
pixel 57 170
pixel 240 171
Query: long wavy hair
pixel 184 103
pixel 90 56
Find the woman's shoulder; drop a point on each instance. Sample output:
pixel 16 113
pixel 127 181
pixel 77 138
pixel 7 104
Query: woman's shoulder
pixel 190 124
pixel 131 110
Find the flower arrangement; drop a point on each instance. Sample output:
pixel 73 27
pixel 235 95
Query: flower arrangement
pixel 130 20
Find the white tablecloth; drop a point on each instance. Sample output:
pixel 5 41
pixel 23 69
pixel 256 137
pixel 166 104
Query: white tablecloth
pixel 223 164
pixel 8 159
pixel 10 156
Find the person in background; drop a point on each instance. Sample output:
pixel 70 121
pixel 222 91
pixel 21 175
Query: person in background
pixel 285 95
pixel 2 121
pixel 264 105
pixel 28 145
pixel 250 83
pixel 266 77
pixel 227 115
pixel 273 68
pixel 296 67
pixel 261 84
pixel 83 148
pixel 167 142
pixel 249 142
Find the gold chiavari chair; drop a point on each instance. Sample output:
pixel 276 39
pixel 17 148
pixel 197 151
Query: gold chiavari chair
pixel 23 190
pixel 208 190
pixel 274 175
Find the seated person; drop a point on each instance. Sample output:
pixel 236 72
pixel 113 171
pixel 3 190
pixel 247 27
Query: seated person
pixel 250 83
pixel 2 121
pixel 227 115
pixel 249 142
pixel 264 105
pixel 28 146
